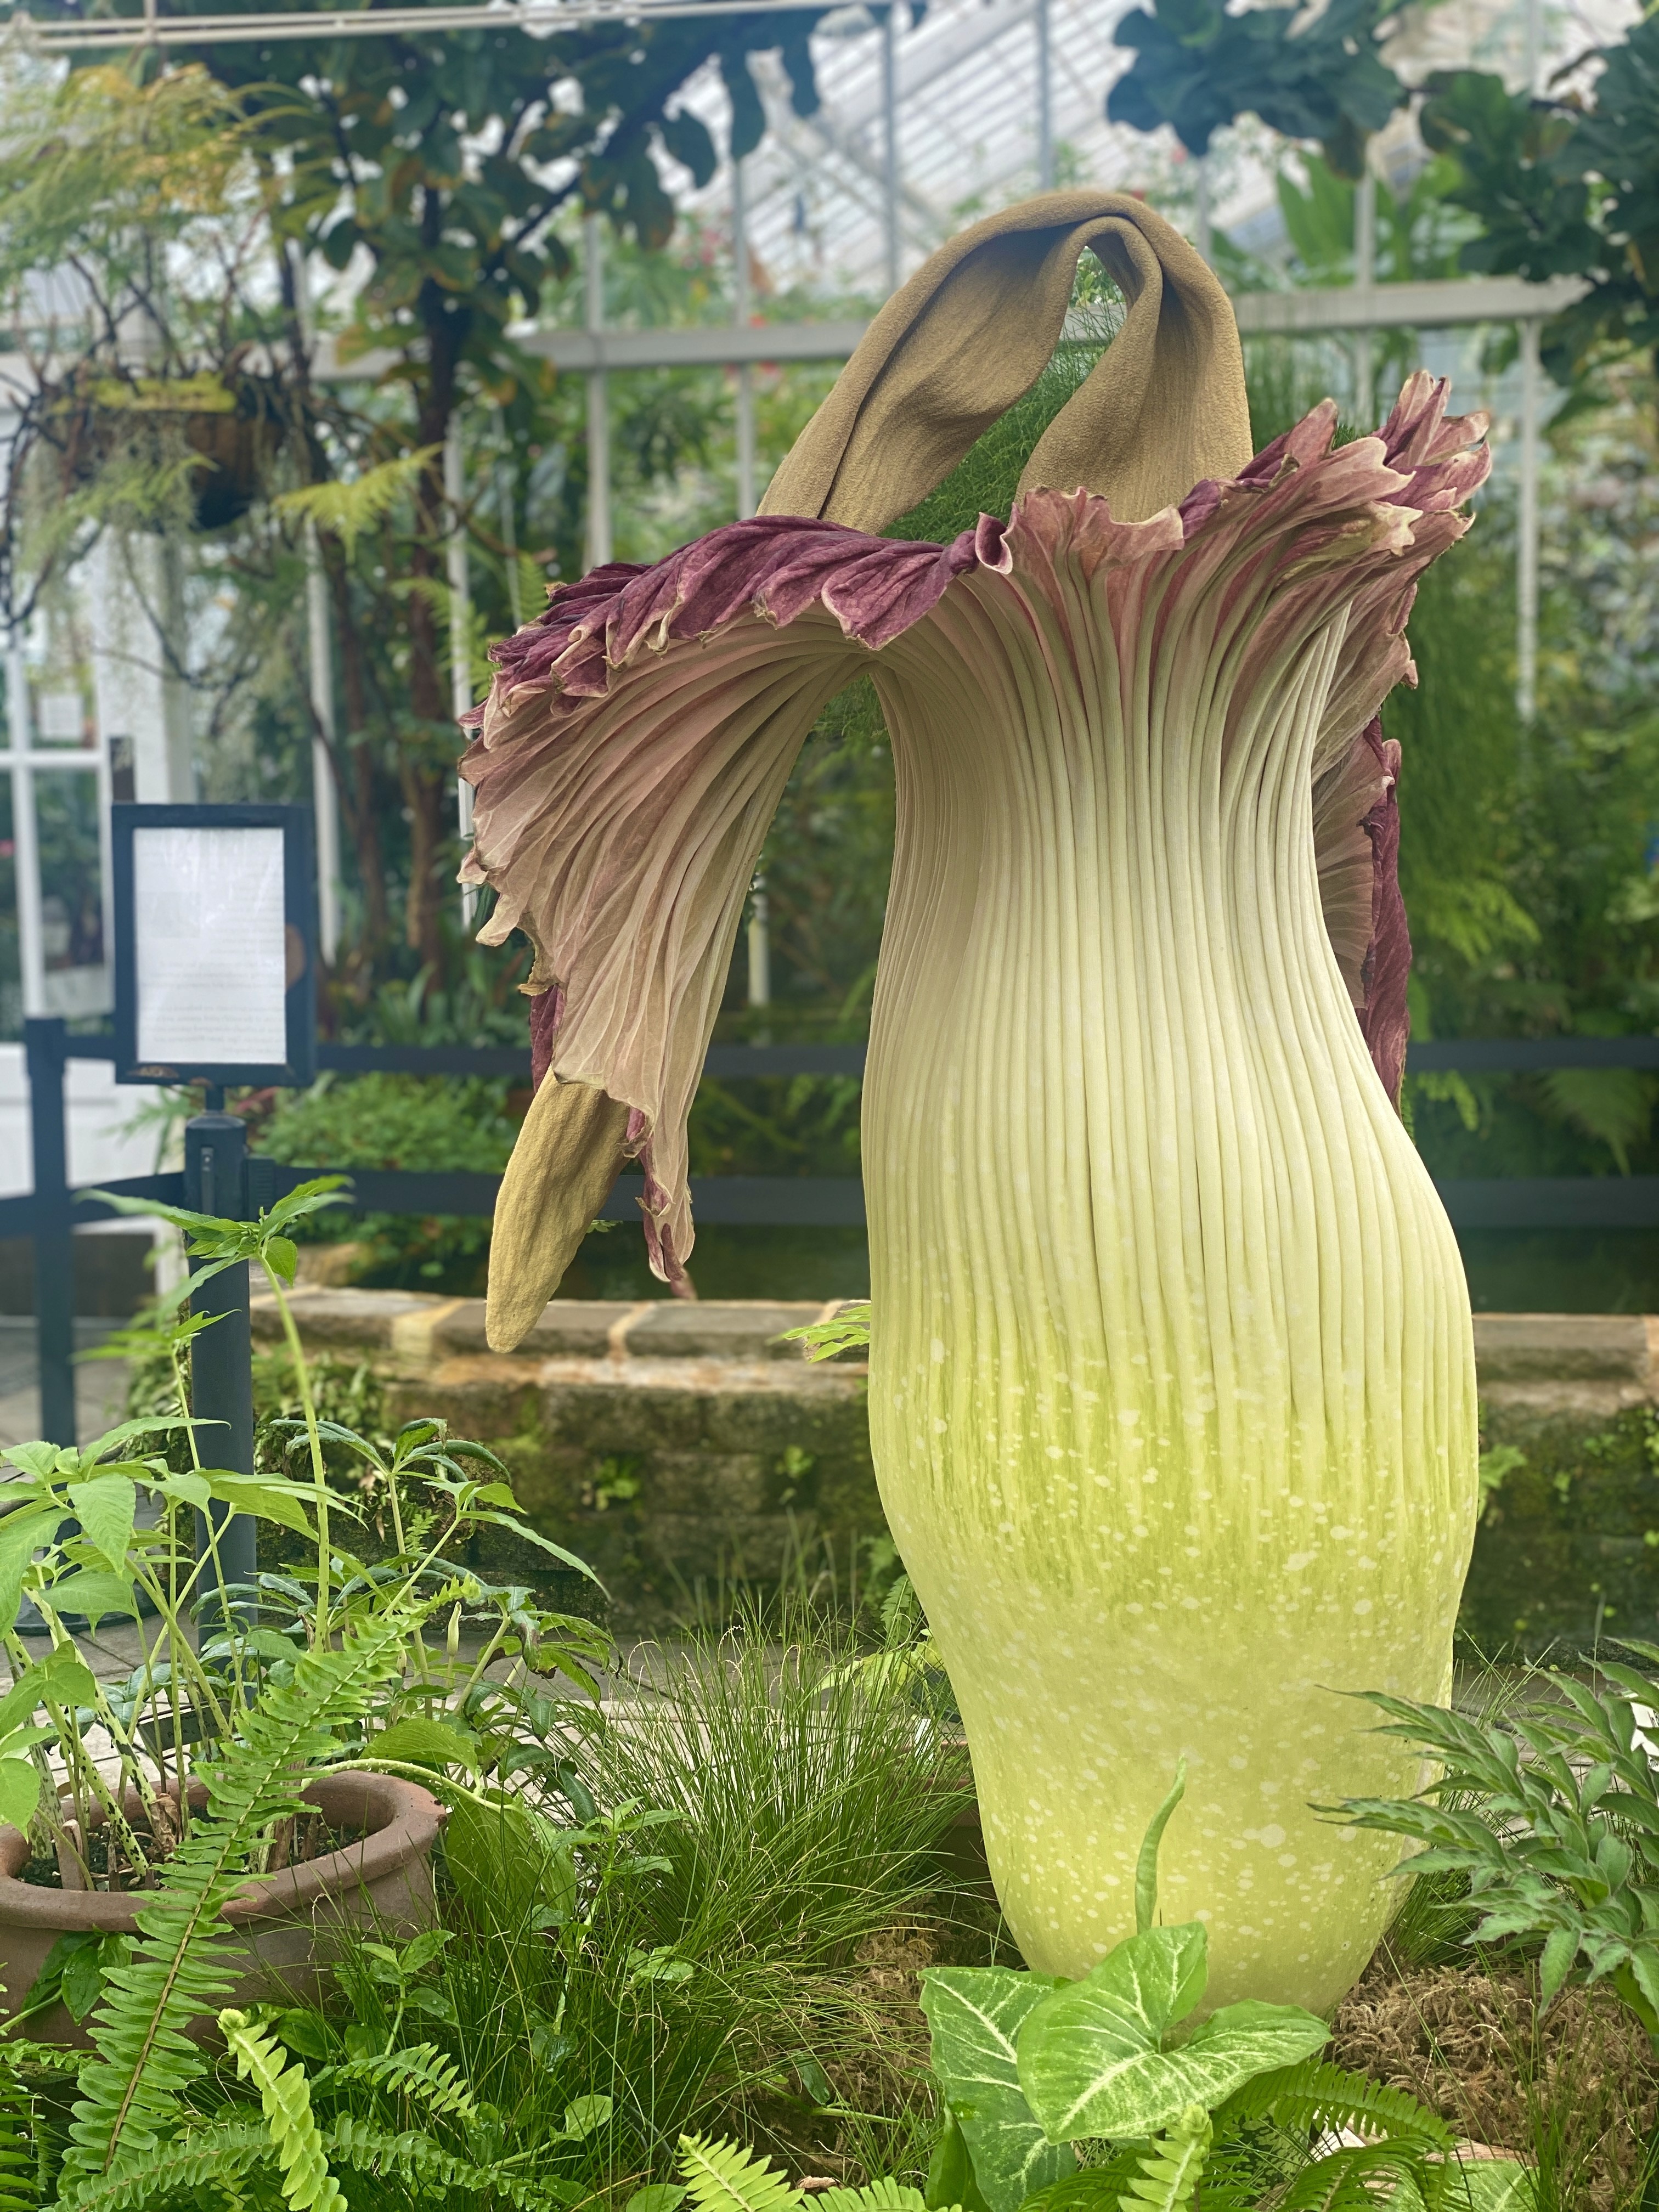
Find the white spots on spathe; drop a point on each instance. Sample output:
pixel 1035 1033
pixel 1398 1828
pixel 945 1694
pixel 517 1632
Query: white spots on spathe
pixel 1298 1560
pixel 936 1352
pixel 1362 1606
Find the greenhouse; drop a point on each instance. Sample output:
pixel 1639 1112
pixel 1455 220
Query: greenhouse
pixel 829 1037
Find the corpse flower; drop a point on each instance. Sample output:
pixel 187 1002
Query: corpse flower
pixel 1172 1391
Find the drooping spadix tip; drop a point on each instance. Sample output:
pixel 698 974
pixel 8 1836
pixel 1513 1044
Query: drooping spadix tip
pixel 568 1158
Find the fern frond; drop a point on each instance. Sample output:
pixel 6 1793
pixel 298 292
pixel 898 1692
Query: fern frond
pixel 884 2195
pixel 422 2069
pixel 1358 2180
pixel 19 2169
pixel 345 510
pixel 722 2178
pixel 184 1961
pixel 27 2058
pixel 285 2095
pixel 423 2166
pixel 1317 2098
pixel 1171 2167
pixel 216 2155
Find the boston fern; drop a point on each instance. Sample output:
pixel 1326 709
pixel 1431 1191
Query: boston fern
pixel 184 1960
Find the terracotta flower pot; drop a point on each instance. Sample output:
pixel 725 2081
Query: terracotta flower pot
pixel 381 1881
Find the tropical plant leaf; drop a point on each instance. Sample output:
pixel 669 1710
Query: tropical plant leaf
pixel 1091 2061
pixel 975 2016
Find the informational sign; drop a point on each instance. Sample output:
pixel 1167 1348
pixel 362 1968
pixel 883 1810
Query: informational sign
pixel 211 957
pixel 214 944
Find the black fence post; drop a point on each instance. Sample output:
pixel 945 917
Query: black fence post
pixel 222 1357
pixel 54 1228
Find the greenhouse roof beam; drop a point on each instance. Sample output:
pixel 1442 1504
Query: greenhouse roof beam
pixel 1442 303
pixel 545 18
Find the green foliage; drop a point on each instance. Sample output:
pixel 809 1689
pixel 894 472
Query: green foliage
pixel 985 479
pixel 429 1124
pixel 1172 2166
pixel 720 2177
pixel 215 2157
pixel 846 1330
pixel 346 508
pixel 19 2116
pixel 1565 188
pixel 307 2185
pixel 183 1959
pixel 1197 67
pixel 1553 1817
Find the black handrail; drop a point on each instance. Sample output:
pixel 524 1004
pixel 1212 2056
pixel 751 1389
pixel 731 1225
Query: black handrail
pixel 50 1211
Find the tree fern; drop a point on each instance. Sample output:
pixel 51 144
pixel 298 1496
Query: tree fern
pixel 184 1960
pixel 420 2069
pixel 1172 2166
pixel 721 2178
pixel 429 2171
pixel 285 2095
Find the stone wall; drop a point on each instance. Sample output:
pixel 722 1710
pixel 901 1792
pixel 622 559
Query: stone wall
pixel 686 1450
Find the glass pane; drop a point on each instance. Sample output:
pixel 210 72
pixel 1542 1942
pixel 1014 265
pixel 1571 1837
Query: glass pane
pixel 11 977
pixel 71 892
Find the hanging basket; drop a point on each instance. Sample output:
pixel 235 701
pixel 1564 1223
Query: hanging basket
pixel 235 424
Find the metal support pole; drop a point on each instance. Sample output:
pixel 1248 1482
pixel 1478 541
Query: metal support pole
pixel 460 632
pixel 25 856
pixel 746 498
pixel 1365 274
pixel 54 1229
pixel 598 404
pixel 324 797
pixel 1045 101
pixel 1526 533
pixel 222 1357
pixel 890 145
pixel 509 522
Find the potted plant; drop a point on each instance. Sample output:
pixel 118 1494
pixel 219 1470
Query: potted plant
pixel 263 1772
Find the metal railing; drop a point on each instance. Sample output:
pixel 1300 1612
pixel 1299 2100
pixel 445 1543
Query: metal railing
pixel 50 1212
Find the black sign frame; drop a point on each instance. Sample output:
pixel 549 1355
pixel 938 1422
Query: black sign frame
pixel 298 1069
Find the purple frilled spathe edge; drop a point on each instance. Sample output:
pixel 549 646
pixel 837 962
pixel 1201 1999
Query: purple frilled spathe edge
pixel 773 565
